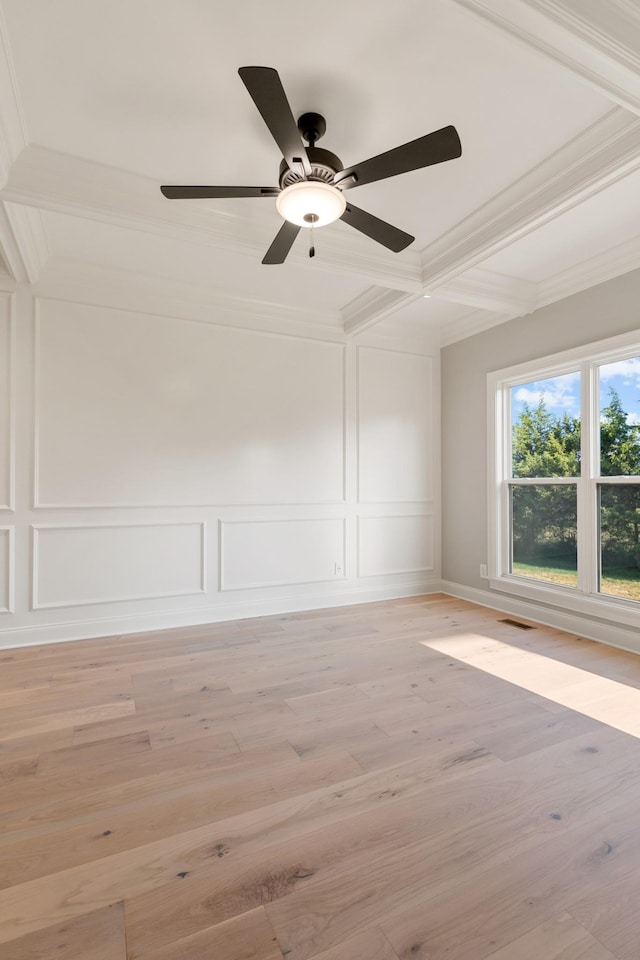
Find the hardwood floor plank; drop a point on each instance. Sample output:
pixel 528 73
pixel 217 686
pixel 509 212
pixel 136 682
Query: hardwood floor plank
pixel 110 751
pixel 137 813
pixel 278 858
pixel 371 944
pixel 15 771
pixel 55 797
pixel 99 935
pixel 561 938
pixel 14 728
pixel 249 936
pixel 613 918
pixel 489 867
pixel 31 746
pixel 27 905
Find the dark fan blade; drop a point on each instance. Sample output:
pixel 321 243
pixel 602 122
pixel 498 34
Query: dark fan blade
pixel 267 92
pixel 202 193
pixel 436 147
pixel 377 229
pixel 277 252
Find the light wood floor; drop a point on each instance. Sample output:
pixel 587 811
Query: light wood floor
pixel 411 780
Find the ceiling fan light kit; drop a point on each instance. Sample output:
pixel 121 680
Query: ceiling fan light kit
pixel 312 180
pixel 311 203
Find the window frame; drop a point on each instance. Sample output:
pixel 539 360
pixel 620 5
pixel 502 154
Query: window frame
pixel 584 598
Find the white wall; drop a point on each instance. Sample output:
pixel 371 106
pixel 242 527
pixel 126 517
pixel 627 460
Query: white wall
pixel 179 469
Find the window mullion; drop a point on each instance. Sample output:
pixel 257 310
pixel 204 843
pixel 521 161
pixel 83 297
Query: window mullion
pixel 587 530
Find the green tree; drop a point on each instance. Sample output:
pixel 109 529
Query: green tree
pixel 619 505
pixel 619 446
pixel 544 445
pixel 544 517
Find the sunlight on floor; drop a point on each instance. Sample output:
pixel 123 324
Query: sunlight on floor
pixel 598 697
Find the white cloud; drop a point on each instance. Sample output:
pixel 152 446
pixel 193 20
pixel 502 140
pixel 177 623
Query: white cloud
pixel 629 369
pixel 557 394
pixel 633 419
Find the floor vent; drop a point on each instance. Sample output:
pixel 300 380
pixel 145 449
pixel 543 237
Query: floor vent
pixel 516 623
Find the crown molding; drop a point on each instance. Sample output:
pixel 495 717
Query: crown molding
pixel 7 283
pixel 405 337
pixel 65 184
pixel 82 282
pixel 491 291
pixel 601 155
pixel 373 306
pixel 468 326
pixel 29 232
pixel 65 278
pixel 587 37
pixel 605 266
pixel 10 250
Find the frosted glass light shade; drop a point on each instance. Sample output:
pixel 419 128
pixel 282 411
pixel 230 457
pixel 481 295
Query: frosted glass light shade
pixel 311 203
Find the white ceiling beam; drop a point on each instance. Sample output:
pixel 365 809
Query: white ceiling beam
pixel 591 38
pixel 601 155
pixel 65 184
pixel 373 306
pixel 491 291
pixel 82 280
pixel 469 325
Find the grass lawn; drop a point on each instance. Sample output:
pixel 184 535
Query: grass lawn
pixel 623 583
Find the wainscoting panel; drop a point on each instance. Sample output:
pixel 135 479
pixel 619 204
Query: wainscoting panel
pixel 6 402
pixel 6 570
pixel 136 410
pixel 395 426
pixel 268 553
pixel 392 545
pixel 79 564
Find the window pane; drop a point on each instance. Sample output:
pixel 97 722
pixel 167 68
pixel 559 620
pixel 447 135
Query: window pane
pixel 620 418
pixel 620 541
pixel 543 533
pixel 545 427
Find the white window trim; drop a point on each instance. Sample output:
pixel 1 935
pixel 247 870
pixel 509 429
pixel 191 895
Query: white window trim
pixel 582 599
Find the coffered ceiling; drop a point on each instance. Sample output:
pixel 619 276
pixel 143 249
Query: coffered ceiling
pixel 100 103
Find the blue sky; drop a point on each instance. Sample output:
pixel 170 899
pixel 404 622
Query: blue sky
pixel 562 394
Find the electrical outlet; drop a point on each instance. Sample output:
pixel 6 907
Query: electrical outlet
pixel 483 572
pixel 338 569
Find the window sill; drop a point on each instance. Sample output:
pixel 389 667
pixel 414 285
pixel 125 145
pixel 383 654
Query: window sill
pixel 624 612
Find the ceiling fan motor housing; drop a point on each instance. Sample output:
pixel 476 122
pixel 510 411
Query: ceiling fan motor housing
pixel 324 166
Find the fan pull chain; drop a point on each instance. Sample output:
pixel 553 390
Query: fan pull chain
pixel 311 218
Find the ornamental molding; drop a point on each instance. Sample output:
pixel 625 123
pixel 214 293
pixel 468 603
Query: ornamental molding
pixel 590 38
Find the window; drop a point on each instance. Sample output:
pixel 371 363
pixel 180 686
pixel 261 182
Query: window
pixel 564 486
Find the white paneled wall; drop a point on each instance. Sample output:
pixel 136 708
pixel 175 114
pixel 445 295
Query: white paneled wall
pixel 6 401
pixel 6 569
pixel 397 544
pixel 269 553
pixel 395 426
pixel 138 411
pixel 171 471
pixel 74 565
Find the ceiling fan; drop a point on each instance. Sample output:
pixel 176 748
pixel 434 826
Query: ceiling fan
pixel 312 180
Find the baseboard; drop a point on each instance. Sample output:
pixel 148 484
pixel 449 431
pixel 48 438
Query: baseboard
pixel 61 632
pixel 586 627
